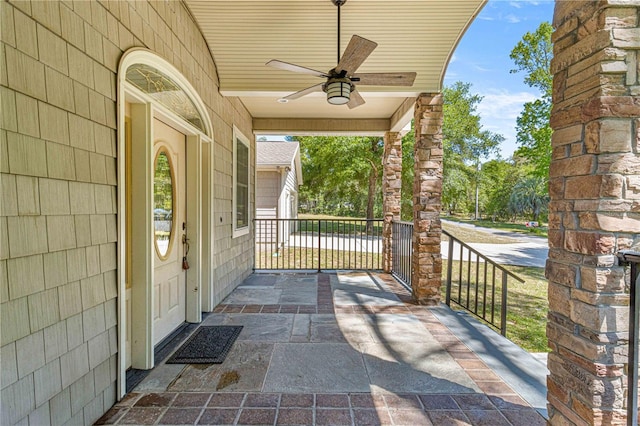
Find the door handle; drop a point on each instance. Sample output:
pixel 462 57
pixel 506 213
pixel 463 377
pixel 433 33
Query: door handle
pixel 185 242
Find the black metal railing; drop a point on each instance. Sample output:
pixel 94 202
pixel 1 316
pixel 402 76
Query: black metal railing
pixel 402 251
pixel 632 258
pixel 472 281
pixel 477 284
pixel 318 244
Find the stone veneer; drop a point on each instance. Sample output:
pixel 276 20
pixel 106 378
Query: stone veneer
pixel 595 207
pixel 391 189
pixel 427 193
pixel 58 236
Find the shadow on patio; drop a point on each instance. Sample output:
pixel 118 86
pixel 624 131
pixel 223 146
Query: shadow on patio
pixel 343 349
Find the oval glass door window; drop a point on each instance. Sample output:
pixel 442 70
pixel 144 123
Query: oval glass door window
pixel 163 203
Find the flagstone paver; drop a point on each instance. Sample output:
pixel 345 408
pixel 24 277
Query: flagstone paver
pixel 344 349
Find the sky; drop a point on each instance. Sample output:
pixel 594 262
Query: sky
pixel 482 59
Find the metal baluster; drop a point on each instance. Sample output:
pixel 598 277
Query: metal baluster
pixel 503 309
pixel 493 294
pixel 477 282
pixel 484 292
pixel 449 271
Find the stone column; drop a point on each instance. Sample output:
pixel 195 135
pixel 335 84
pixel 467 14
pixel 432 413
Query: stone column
pixel 427 191
pixel 391 192
pixel 594 209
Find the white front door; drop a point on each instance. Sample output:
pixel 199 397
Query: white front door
pixel 170 233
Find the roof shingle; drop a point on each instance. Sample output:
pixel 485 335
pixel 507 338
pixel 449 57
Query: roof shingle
pixel 276 153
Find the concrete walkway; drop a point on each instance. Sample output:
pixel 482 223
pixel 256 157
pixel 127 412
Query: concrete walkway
pixel 343 349
pixel 526 250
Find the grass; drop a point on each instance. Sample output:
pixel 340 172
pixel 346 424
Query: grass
pixel 527 303
pixel 527 309
pixel 327 216
pixel 339 225
pixel 307 258
pixel 503 226
pixel 473 235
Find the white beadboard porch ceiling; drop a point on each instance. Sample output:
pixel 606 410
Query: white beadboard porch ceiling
pixel 412 35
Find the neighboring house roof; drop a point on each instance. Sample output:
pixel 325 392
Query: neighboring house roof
pixel 273 155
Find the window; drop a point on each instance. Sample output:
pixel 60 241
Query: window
pixel 240 183
pixel 165 91
pixel 163 198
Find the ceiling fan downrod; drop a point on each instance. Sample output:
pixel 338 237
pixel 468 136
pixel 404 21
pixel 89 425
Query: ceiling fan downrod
pixel 338 3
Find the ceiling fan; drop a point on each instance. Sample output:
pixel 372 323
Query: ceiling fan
pixel 340 81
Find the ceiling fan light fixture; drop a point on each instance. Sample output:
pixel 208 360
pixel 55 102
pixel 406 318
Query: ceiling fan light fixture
pixel 338 91
pixel 340 80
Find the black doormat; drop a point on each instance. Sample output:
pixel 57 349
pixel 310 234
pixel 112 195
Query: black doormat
pixel 208 345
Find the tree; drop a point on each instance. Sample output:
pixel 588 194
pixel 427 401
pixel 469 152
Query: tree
pixel 532 55
pixel 342 173
pixel 462 133
pixel 455 190
pixel 529 197
pixel 465 143
pixel 498 180
pixel 406 200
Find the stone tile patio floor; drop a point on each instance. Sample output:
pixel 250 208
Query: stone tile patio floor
pixel 329 349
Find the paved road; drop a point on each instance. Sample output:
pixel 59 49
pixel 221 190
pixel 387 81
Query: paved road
pixel 527 251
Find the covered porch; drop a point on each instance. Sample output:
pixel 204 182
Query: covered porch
pixel 347 348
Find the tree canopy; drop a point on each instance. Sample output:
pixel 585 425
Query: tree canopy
pixel 529 197
pixel 342 174
pixel 465 144
pixel 464 139
pixel 532 55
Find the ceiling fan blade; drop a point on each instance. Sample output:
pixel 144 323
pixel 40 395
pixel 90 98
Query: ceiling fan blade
pixel 386 79
pixel 357 51
pixel 303 92
pixel 355 100
pixel 295 68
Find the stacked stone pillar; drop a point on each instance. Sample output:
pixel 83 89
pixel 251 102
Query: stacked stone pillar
pixel 594 208
pixel 391 193
pixel 427 193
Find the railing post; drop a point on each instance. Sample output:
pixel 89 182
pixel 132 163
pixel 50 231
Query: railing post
pixel 449 271
pixel 503 307
pixel 632 258
pixel 319 243
pixel 634 317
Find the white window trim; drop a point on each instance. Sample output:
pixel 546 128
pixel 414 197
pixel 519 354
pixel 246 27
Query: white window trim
pixel 239 136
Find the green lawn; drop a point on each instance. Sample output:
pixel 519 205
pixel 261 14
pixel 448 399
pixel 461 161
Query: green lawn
pixel 350 226
pixel 504 226
pixel 473 235
pixel 308 258
pixel 527 309
pixel 527 303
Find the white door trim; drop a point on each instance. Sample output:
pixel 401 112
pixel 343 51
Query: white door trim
pixel 144 109
pixel 194 228
pixel 142 252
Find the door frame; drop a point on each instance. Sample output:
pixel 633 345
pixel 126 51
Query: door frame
pixel 141 109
